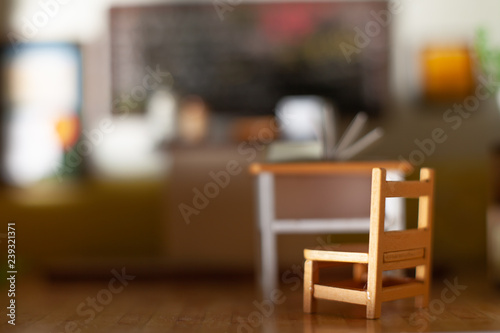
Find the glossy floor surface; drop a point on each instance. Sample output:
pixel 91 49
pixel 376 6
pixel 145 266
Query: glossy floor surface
pixel 122 304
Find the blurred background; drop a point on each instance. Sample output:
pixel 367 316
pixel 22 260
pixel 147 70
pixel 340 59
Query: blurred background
pixel 116 113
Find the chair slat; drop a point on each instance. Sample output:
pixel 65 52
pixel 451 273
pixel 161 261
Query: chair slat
pixel 389 266
pixel 340 294
pixel 406 290
pixel 352 257
pixel 404 255
pixel 407 189
pixel 405 240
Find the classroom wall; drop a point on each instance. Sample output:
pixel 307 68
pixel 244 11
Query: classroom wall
pixel 425 22
pixel 416 24
pixel 461 162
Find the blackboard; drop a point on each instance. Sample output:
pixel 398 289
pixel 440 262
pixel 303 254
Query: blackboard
pixel 243 62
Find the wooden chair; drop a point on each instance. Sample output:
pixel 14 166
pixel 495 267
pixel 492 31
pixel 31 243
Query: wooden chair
pixel 270 225
pixel 386 250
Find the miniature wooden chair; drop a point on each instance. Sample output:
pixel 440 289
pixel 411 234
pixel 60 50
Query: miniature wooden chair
pixel 386 250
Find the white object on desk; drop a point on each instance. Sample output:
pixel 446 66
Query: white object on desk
pixel 300 117
pixel 307 118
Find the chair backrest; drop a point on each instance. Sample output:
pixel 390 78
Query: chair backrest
pixel 403 248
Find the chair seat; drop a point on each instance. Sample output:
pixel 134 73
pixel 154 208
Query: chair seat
pixel 354 253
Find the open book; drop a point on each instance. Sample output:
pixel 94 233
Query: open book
pixel 303 112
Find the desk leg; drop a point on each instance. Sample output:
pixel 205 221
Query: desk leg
pixel 268 248
pixel 395 208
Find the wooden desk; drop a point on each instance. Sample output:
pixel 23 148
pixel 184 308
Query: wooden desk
pixel 269 226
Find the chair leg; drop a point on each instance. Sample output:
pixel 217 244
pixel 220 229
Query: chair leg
pixel 311 275
pixel 374 310
pixel 374 289
pixel 422 274
pixel 359 272
pixel 421 301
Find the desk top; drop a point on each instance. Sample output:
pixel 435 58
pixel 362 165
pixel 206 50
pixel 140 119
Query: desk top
pixel 329 167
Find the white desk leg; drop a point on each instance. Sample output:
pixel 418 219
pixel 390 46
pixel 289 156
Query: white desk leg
pixel 395 213
pixel 268 248
pixel 396 207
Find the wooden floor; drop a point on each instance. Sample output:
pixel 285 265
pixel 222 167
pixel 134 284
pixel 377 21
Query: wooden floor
pixel 231 305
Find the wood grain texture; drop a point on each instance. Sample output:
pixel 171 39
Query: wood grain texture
pixel 405 239
pixel 376 254
pixel 311 275
pixel 228 305
pixel 402 291
pixel 426 221
pixel 337 256
pixel 407 189
pixel 403 255
pixel 340 294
